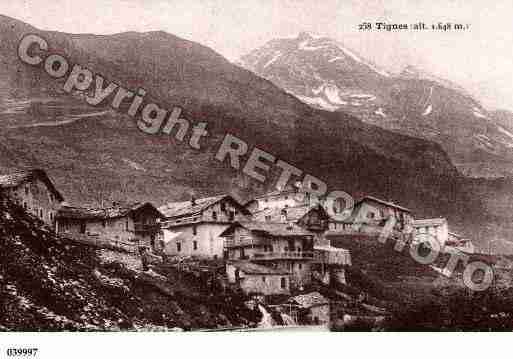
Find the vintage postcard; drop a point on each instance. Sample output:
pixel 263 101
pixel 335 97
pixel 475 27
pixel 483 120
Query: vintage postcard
pixel 255 166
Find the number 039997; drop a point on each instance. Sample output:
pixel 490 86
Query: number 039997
pixel 21 352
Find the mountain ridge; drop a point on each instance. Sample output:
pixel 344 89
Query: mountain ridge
pixel 323 74
pixel 104 157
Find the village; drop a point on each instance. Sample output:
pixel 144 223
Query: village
pixel 273 248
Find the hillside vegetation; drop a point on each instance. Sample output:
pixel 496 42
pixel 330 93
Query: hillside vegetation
pixel 51 284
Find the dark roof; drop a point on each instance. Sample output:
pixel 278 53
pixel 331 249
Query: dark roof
pixel 294 214
pixel 389 204
pixel 429 222
pixel 252 268
pixel 277 193
pixel 270 228
pixel 186 209
pixel 15 177
pixel 104 213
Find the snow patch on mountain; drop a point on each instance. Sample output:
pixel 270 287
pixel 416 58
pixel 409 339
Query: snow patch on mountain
pixel 506 132
pixel 277 54
pixel 304 46
pixel 318 90
pixel 363 96
pixel 133 164
pixel 380 112
pixel 318 101
pixel 336 58
pixel 332 93
pixel 478 113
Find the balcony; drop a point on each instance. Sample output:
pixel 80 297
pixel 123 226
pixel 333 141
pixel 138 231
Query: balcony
pixel 283 255
pixel 230 242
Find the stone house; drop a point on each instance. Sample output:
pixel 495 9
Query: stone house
pixel 137 223
pixel 34 191
pixel 283 246
pixel 292 196
pixel 310 308
pixel 255 279
pixel 192 228
pixel 437 228
pixel 312 218
pixel 369 216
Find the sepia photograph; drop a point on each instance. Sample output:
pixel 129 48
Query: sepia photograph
pixel 276 166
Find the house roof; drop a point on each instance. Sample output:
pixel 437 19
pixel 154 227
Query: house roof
pixel 293 213
pixel 104 213
pixel 277 193
pixel 429 222
pixel 270 228
pixel 309 300
pixel 186 208
pixel 386 203
pixel 15 177
pixel 252 268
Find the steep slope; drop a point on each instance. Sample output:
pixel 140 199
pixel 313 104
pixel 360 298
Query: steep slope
pixel 95 154
pixel 325 74
pixel 47 283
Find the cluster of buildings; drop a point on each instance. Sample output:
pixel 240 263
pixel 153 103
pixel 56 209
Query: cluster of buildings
pixel 274 244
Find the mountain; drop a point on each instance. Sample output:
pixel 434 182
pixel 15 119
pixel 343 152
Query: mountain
pixel 96 154
pixel 325 74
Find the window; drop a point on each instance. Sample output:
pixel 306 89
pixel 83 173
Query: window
pixel 195 245
pixel 104 223
pixel 194 230
pixel 26 190
pixel 263 279
pixel 214 216
pixel 223 206
pixel 127 224
pixel 25 205
pixel 283 283
pixel 231 216
pixel 41 213
pixel 370 215
pixel 179 247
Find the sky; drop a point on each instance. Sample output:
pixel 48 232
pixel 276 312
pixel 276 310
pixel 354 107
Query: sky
pixel 478 58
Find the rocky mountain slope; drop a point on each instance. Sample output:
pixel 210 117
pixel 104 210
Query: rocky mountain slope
pixel 325 74
pixel 96 155
pixel 48 283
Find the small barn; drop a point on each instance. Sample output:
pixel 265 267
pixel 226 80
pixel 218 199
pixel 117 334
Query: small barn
pixel 138 223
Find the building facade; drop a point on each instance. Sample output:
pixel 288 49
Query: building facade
pixel 257 279
pixel 193 228
pixel 371 216
pixel 137 223
pixel 281 246
pixel 34 191
pixel 437 228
